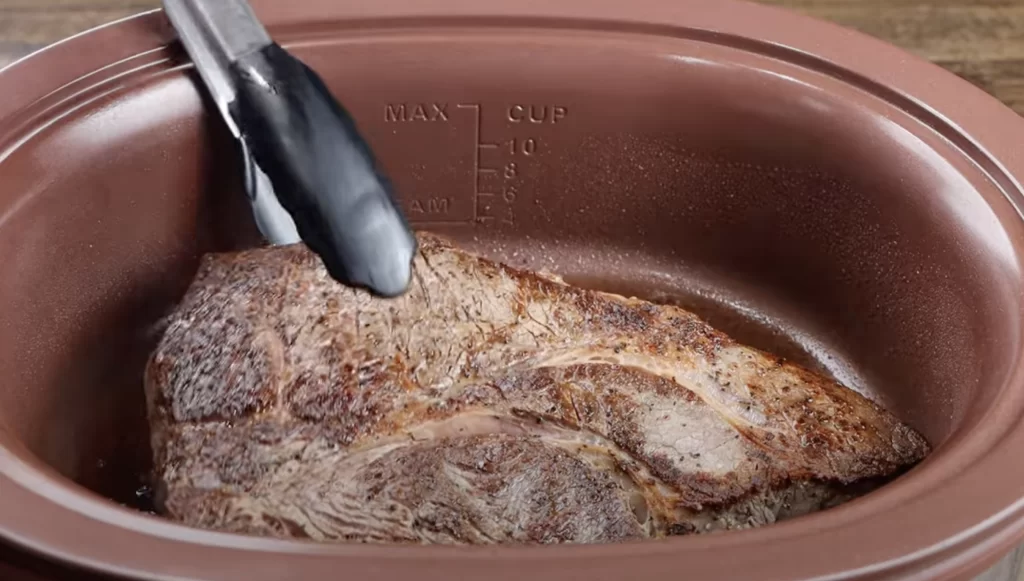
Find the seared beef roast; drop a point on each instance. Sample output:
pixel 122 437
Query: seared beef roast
pixel 487 405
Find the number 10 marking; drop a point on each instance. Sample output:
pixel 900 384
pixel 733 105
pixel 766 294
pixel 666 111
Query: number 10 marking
pixel 526 146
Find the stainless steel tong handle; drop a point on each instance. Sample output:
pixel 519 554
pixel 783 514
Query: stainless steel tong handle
pixel 309 172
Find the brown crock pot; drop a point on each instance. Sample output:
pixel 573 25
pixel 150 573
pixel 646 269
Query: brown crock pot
pixel 808 189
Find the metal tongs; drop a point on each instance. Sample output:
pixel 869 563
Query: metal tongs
pixel 308 172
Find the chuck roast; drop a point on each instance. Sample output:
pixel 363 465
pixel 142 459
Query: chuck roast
pixel 487 405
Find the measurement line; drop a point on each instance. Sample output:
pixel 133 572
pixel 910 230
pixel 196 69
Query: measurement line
pixel 487 145
pixel 486 170
pixel 476 158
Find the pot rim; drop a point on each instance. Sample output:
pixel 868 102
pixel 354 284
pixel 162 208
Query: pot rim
pixel 99 535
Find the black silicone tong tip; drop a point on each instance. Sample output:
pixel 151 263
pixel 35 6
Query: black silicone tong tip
pixel 323 171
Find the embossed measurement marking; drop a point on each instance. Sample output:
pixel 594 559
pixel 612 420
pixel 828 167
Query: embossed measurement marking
pixel 480 197
pixel 431 181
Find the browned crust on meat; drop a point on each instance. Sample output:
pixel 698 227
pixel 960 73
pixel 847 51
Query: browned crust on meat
pixel 266 354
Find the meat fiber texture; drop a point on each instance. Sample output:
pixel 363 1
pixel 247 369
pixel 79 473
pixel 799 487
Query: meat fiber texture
pixel 487 405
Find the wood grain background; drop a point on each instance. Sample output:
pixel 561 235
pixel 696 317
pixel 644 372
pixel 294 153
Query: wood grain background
pixel 980 40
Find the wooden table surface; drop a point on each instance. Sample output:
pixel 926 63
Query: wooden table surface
pixel 980 40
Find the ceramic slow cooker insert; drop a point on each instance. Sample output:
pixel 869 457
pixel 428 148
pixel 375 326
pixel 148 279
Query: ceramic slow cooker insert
pixel 807 189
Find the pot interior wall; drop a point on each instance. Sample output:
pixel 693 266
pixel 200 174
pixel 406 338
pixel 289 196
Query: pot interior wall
pixel 793 210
